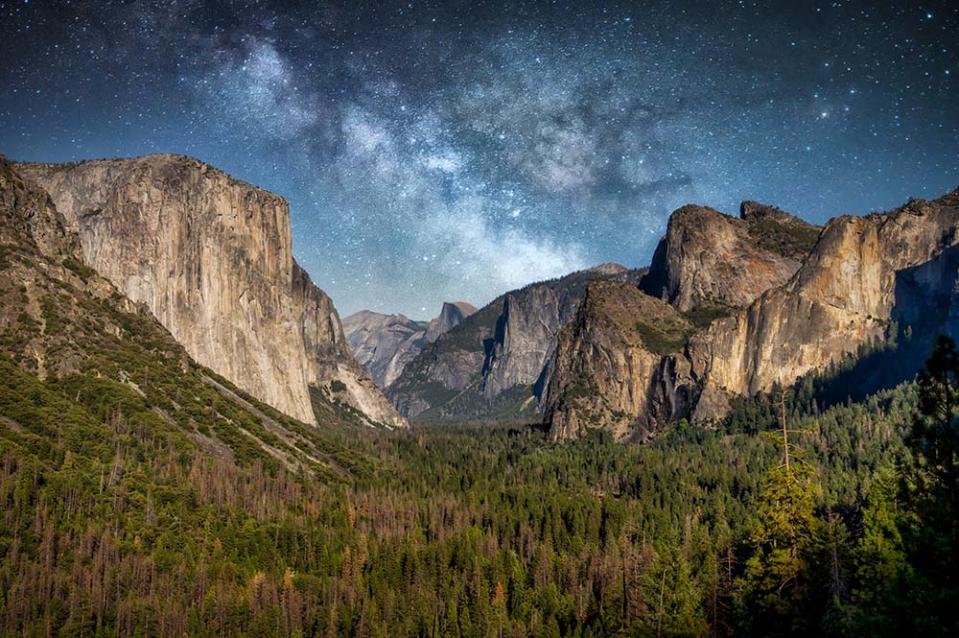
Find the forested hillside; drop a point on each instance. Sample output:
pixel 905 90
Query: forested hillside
pixel 114 523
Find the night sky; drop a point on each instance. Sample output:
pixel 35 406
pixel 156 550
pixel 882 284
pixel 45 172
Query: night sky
pixel 455 150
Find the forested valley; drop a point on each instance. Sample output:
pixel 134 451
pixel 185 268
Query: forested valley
pixel 784 519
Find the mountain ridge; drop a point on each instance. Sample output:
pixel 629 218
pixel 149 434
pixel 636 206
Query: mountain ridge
pixel 383 344
pixel 861 275
pixel 493 363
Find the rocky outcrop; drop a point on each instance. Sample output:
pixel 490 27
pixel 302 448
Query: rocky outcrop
pixel 525 336
pixel 211 257
pixel 708 259
pixel 494 363
pixel 614 367
pixel 43 284
pixel 862 275
pixel 60 321
pixel 332 367
pixel 451 315
pixel 29 215
pixel 384 344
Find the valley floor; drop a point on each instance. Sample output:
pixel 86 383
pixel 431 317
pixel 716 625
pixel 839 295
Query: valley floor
pixel 113 528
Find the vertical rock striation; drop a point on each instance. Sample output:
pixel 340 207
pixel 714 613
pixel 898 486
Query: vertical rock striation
pixel 864 273
pixel 29 215
pixel 493 365
pixel 211 257
pixel 384 344
pixel 614 367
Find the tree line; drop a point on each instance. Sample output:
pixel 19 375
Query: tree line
pixel 785 519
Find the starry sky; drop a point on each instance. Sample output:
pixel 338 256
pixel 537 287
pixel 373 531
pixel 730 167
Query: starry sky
pixel 441 150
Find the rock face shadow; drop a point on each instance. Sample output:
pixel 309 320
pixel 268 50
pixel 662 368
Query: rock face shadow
pixel 925 307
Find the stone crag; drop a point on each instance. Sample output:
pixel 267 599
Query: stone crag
pixel 751 302
pixel 384 344
pixel 211 257
pixel 493 364
pixel 711 259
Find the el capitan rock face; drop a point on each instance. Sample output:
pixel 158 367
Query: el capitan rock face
pixel 862 274
pixel 211 257
pixel 64 323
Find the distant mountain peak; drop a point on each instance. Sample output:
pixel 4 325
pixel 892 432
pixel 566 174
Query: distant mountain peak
pixel 384 344
pixel 463 306
pixel 493 363
pixel 451 315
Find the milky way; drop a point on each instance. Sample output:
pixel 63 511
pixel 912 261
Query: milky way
pixel 455 150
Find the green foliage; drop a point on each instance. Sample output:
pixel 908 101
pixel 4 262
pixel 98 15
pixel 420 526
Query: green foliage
pixel 435 393
pixel 780 530
pixel 880 601
pixel 932 491
pixel 790 238
pixel 81 270
pixel 417 533
pixel 144 495
pixel 706 313
pixel 509 406
pixel 664 335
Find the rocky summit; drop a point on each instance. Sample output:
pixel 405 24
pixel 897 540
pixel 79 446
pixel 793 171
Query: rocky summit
pixel 383 344
pixel 711 260
pixel 211 257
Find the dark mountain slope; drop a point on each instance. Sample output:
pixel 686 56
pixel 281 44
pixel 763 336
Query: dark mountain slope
pixel 493 363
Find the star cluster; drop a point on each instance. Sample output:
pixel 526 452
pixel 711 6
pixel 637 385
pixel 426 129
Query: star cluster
pixel 451 149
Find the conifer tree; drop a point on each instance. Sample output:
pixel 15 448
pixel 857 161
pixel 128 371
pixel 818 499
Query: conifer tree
pixel 932 491
pixel 774 586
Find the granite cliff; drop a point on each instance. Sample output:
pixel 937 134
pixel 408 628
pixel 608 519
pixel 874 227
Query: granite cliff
pixel 452 314
pixel 492 365
pixel 708 259
pixel 612 365
pixel 864 274
pixel 89 355
pixel 746 310
pixel 384 344
pixel 211 257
